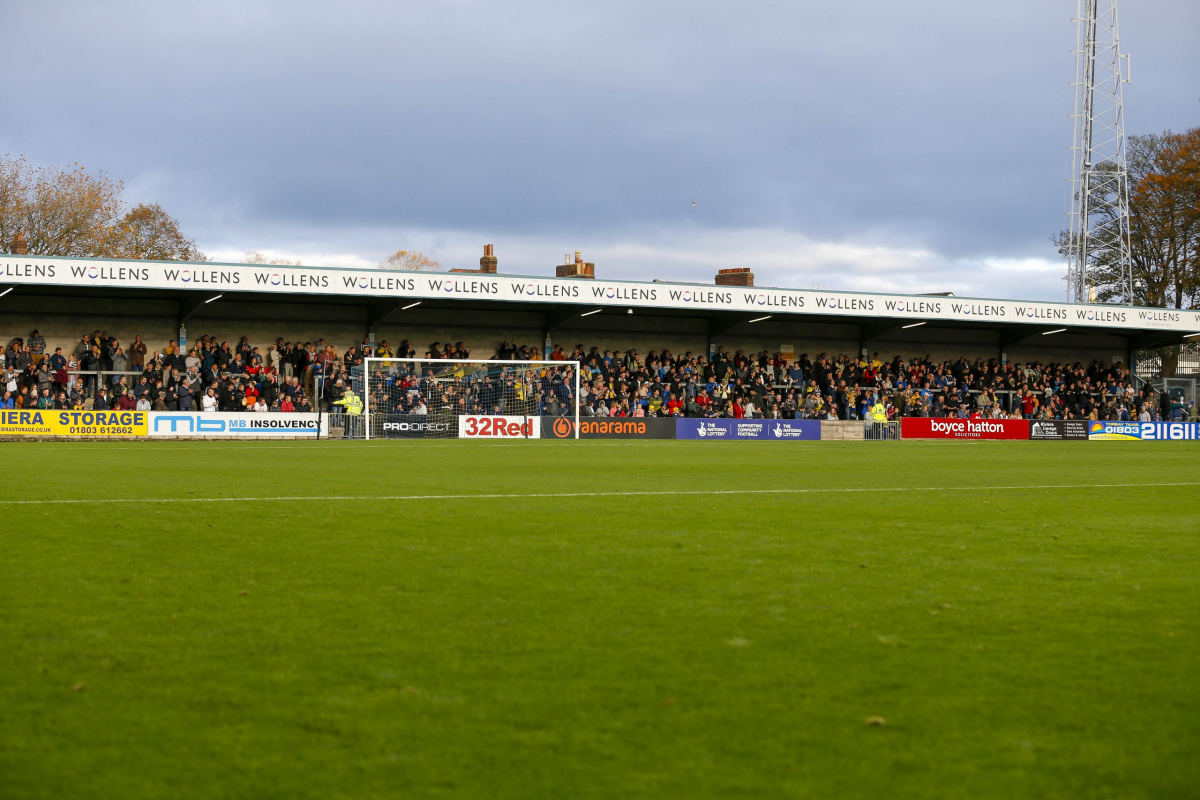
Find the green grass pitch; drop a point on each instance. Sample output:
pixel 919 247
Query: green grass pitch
pixel 643 628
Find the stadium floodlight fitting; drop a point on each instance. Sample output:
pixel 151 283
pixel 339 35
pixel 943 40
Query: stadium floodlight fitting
pixel 914 325
pixel 6 291
pixel 1056 330
pixel 760 319
pixel 588 314
pixel 218 297
pixel 411 305
pixel 1189 336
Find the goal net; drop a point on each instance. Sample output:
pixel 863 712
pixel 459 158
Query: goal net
pixel 420 398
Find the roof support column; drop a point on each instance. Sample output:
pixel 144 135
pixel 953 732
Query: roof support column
pixel 873 332
pixel 186 307
pixel 722 323
pixel 377 313
pixel 553 319
pixel 1008 338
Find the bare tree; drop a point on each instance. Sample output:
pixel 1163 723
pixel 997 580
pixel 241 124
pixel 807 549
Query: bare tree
pixel 255 257
pixel 412 260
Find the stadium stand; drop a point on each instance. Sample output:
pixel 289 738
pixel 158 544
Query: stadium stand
pixel 102 373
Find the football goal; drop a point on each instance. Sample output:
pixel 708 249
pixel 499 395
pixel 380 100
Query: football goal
pixel 420 398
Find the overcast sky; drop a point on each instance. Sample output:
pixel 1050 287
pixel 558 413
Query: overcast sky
pixel 873 145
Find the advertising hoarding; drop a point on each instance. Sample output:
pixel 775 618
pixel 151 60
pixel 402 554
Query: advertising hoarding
pixel 1143 431
pixel 1058 429
pixel 934 428
pixel 410 426
pixel 609 428
pixel 1170 431
pixel 478 426
pixel 1114 431
pixel 752 429
pixel 46 422
pixel 196 424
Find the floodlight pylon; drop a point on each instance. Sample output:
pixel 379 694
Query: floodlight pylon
pixel 1099 215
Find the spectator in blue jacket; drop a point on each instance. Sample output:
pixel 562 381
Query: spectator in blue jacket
pixel 185 395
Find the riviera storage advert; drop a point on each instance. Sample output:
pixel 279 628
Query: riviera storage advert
pixel 126 424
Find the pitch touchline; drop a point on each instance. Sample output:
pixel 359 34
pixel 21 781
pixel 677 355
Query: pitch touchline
pixel 655 493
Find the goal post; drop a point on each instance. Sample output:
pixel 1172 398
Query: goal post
pixel 423 398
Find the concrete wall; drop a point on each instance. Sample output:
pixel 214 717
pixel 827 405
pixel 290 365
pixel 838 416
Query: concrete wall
pixel 842 431
pixel 63 320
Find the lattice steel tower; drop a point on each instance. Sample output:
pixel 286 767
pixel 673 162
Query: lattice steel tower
pixel 1099 216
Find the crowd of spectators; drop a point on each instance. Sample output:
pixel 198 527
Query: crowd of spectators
pixel 101 373
pixel 845 387
pixel 765 386
pixel 212 375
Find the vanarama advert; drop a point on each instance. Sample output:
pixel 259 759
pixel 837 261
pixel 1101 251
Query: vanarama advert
pixel 72 423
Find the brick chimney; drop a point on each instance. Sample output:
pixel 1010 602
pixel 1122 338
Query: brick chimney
pixel 487 264
pixel 576 269
pixel 489 261
pixel 19 247
pixel 735 277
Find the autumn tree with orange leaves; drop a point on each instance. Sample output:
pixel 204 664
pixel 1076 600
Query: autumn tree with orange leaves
pixel 1164 217
pixel 149 232
pixel 1164 227
pixel 1164 223
pixel 1164 230
pixel 73 212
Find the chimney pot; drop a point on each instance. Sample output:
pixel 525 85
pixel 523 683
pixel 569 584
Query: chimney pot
pixel 19 246
pixel 489 261
pixel 575 269
pixel 740 276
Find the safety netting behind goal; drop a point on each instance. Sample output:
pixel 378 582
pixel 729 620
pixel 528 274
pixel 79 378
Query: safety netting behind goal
pixel 461 399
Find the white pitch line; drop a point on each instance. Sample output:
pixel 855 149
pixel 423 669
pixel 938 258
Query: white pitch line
pixel 654 493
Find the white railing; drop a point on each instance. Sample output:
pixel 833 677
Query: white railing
pixel 1188 364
